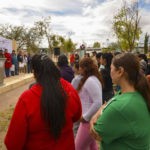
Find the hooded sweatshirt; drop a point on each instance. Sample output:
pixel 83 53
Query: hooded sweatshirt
pixel 28 131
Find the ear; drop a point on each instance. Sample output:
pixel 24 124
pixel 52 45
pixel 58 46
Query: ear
pixel 121 71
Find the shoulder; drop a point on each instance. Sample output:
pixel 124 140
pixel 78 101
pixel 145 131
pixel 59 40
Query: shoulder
pixel 29 95
pixel 70 91
pixel 126 102
pixel 66 85
pixel 92 80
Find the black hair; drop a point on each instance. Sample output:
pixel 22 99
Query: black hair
pixel 98 55
pixel 76 65
pixel 108 57
pixel 134 76
pixel 143 56
pixel 62 60
pixel 53 99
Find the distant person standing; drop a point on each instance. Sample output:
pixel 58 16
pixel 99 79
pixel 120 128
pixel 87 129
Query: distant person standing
pixel 76 58
pixel 29 67
pixel 94 57
pixel 108 92
pixel 14 62
pixel 20 61
pixel 8 62
pixel 65 70
pixel 72 59
pixel 75 83
pixel 76 80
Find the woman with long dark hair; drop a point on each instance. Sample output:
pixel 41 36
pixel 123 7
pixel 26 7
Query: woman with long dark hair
pixel 44 115
pixel 108 86
pixel 90 92
pixel 124 123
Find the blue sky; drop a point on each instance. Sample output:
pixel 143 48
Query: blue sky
pixel 85 21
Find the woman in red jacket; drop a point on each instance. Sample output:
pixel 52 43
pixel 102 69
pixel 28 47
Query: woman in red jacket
pixel 44 115
pixel 8 63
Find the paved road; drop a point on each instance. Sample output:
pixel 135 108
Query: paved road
pixel 11 97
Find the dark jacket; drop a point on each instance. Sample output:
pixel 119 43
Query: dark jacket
pixel 67 73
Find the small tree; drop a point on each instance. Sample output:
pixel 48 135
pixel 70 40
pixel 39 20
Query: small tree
pixel 14 33
pixel 146 43
pixel 114 46
pixel 126 26
pixel 96 45
pixel 69 46
pixel 43 28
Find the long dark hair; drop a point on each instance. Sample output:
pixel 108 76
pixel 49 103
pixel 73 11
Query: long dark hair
pixel 108 57
pixel 90 68
pixel 135 77
pixel 53 99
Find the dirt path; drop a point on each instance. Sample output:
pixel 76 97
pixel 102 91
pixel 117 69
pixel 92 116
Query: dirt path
pixel 7 103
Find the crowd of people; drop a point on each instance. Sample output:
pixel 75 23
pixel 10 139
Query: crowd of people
pixel 96 102
pixel 16 63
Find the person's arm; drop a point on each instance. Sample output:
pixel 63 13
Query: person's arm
pixel 77 108
pixel 95 91
pixel 111 125
pixel 17 132
pixel 93 121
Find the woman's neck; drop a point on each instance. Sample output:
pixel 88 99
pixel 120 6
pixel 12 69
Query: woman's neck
pixel 127 87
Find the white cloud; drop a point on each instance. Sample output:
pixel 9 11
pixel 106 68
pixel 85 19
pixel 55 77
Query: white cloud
pixel 147 1
pixel 88 20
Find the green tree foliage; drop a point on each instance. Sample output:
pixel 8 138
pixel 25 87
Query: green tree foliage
pixel 96 45
pixel 126 26
pixel 43 28
pixel 146 43
pixel 14 33
pixel 114 46
pixel 32 37
pixel 25 37
pixel 69 46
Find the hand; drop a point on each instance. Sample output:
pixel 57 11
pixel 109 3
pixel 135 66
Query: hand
pixel 83 120
pixel 94 134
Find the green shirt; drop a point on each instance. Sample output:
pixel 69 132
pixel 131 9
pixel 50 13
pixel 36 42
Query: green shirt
pixel 125 123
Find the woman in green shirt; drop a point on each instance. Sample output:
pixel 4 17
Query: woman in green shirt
pixel 124 122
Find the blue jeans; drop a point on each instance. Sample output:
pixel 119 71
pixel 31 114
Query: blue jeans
pixel 7 72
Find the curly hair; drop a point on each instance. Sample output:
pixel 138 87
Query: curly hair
pixel 90 69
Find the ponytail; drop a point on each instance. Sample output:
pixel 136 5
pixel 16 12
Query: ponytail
pixel 54 97
pixel 143 87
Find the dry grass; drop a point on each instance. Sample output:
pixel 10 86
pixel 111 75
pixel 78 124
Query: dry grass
pixel 5 117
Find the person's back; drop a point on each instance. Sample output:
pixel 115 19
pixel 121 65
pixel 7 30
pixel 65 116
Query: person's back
pixel 65 70
pixel 29 129
pixel 67 73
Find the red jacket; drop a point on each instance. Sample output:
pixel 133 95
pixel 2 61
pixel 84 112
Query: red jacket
pixel 27 130
pixel 8 62
pixel 72 58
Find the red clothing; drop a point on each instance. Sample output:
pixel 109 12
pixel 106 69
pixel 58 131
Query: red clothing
pixel 72 58
pixel 27 130
pixel 8 62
